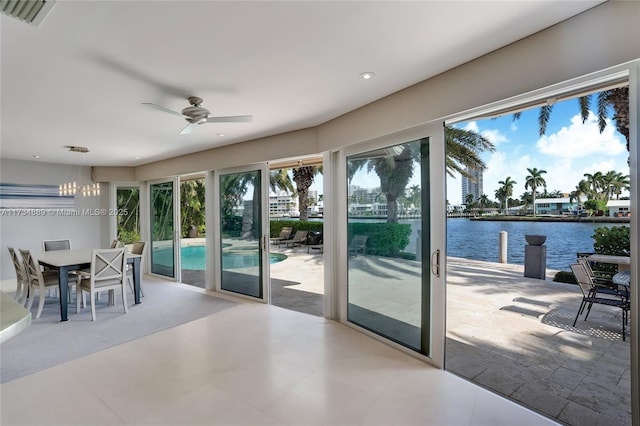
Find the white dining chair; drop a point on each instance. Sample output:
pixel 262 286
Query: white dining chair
pixel 38 281
pixel 107 273
pixel 139 247
pixel 22 281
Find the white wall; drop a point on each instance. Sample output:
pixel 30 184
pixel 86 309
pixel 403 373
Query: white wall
pixel 27 232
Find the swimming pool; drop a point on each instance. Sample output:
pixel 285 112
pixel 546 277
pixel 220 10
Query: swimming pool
pixel 194 257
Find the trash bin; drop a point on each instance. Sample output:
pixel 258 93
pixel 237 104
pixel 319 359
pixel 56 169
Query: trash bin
pixel 314 238
pixel 535 257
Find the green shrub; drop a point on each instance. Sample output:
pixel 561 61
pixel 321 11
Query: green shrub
pixel 613 241
pixel 565 277
pixel 385 239
pixel 276 226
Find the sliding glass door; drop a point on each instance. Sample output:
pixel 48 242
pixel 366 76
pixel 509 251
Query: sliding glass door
pixel 163 253
pixel 244 228
pixel 395 243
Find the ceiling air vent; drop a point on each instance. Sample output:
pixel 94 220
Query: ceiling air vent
pixel 73 148
pixel 30 11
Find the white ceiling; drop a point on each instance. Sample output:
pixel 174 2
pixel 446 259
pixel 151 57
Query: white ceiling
pixel 81 76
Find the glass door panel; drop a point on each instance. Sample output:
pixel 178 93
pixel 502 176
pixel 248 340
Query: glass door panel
pixel 163 255
pixel 241 233
pixel 388 235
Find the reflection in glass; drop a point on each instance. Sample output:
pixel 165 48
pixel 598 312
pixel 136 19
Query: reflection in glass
pixel 162 226
pixel 385 277
pixel 241 230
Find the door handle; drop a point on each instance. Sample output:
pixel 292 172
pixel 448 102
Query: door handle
pixel 435 263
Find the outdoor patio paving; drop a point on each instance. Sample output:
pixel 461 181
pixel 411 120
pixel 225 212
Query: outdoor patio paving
pixel 510 334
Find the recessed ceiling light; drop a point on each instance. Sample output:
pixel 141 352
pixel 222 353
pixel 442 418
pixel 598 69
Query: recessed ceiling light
pixel 220 135
pixel 36 156
pixel 367 75
pixel 136 157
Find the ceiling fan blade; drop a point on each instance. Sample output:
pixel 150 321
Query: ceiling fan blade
pixel 161 108
pixel 188 129
pixel 231 119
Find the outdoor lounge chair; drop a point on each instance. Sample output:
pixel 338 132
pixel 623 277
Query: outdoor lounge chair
pixel 299 238
pixel 358 244
pixel 285 234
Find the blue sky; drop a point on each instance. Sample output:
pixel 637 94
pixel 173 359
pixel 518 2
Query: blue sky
pixel 567 151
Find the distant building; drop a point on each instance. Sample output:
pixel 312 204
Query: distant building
pixel 619 208
pixel 562 205
pixel 282 204
pixel 472 185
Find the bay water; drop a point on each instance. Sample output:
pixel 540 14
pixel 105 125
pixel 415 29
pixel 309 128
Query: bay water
pixel 479 240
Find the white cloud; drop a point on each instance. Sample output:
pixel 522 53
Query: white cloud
pixel 472 126
pixel 495 136
pixel 580 140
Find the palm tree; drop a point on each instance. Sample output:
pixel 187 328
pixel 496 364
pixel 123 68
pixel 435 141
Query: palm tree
pixel 506 190
pixel 303 177
pixel 463 150
pixel 500 195
pixel 280 180
pixel 617 99
pixel 533 181
pixel 468 200
pixel 598 188
pixel 394 173
pixel 582 188
pixel 619 183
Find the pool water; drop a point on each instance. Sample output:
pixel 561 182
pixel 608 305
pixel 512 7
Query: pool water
pixel 194 257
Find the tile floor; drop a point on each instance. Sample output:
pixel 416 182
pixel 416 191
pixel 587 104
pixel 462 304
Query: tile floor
pixel 254 364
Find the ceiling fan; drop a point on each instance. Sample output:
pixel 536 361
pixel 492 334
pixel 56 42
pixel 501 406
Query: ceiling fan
pixel 196 115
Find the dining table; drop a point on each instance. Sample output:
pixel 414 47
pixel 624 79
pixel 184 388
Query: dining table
pixel 623 262
pixel 65 261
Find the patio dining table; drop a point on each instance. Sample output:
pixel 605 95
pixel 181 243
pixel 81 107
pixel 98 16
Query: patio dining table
pixel 623 262
pixel 65 261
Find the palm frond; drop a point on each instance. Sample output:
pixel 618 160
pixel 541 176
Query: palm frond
pixel 584 102
pixel 543 118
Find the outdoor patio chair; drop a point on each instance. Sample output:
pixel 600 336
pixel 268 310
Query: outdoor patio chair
pixel 604 280
pixel 285 234
pixel 299 238
pixel 593 293
pixel 107 272
pixel 358 244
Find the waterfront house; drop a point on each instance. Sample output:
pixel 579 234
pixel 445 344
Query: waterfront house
pixel 619 208
pixel 557 206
